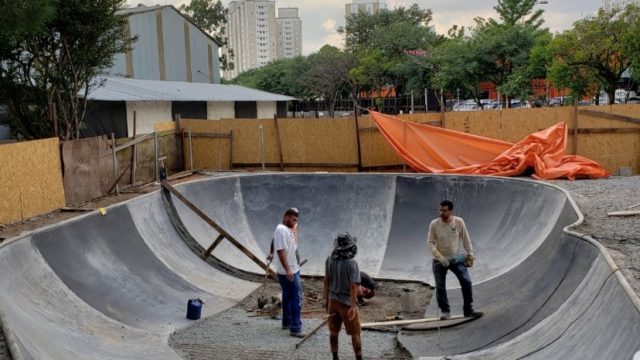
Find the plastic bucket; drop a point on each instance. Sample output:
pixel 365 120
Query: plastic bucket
pixel 194 309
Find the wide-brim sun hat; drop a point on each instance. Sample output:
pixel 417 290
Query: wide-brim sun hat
pixel 344 241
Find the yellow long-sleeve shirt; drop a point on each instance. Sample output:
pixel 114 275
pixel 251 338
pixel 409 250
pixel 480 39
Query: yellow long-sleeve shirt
pixel 445 239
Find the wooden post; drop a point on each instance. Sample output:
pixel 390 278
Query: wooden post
pixel 355 112
pixel 155 150
pixel 575 127
pixel 134 153
pixel 190 150
pixel 275 119
pixel 115 162
pixel 231 150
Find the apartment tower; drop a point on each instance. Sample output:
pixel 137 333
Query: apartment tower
pixel 289 33
pixel 257 37
pixel 368 6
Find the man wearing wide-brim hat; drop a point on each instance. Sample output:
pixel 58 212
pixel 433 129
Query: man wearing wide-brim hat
pixel 341 282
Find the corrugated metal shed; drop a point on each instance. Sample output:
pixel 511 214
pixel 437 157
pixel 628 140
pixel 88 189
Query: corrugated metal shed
pixel 169 46
pixel 121 89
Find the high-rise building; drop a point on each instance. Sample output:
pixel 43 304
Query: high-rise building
pixel 608 4
pixel 257 37
pixel 289 33
pixel 368 6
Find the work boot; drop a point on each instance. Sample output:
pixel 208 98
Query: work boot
pixel 473 314
pixel 445 315
pixel 299 334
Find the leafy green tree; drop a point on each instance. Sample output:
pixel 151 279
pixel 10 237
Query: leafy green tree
pixel 45 68
pixel 600 47
pixel 364 30
pixel 328 74
pixel 386 44
pixel 284 76
pixel 211 16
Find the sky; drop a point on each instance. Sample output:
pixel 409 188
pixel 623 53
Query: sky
pixel 321 18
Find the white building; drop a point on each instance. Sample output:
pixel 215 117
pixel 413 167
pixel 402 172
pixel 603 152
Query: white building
pixel 257 37
pixel 289 33
pixel 368 6
pixel 169 47
pixel 608 4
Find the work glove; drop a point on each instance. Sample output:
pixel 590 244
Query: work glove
pixel 444 262
pixel 469 261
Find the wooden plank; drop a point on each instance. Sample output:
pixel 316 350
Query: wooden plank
pixel 218 228
pixel 611 116
pixel 624 213
pixel 294 165
pixel 609 130
pixel 213 246
pixel 407 322
pixel 212 135
pixel 275 119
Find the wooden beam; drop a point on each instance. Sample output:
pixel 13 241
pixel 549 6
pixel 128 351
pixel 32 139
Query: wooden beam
pixel 407 322
pixel 294 165
pixel 608 130
pixel 213 246
pixel 275 120
pixel 607 115
pixel 218 228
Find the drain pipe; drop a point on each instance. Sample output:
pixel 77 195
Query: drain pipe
pixel 12 342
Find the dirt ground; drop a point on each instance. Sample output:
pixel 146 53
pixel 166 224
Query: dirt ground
pixel 386 304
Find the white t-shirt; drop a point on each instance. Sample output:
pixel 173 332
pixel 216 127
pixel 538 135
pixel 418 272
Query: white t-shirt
pixel 283 239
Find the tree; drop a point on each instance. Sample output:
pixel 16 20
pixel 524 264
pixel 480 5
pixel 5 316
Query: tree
pixel 514 12
pixel 211 16
pixel 284 76
pixel 326 77
pixel 603 47
pixel 386 44
pixel 505 46
pixel 45 69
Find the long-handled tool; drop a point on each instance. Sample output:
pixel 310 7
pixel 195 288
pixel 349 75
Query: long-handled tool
pixel 262 300
pixel 313 331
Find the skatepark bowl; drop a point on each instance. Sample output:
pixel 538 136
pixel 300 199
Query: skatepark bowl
pixel 115 286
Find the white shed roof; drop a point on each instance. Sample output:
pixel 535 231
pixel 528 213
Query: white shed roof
pixel 122 89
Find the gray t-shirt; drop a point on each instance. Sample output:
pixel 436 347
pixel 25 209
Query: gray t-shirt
pixel 341 273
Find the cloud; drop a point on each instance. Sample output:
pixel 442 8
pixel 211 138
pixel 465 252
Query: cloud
pixel 329 25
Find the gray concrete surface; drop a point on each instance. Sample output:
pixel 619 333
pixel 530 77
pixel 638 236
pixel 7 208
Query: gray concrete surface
pixel 116 286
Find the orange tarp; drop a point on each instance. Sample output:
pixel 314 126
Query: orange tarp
pixel 431 149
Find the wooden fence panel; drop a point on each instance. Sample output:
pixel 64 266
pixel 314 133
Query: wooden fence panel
pixel 31 181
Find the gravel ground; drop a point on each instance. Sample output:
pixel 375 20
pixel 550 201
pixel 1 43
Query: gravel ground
pixel 4 350
pixel 234 335
pixel 620 235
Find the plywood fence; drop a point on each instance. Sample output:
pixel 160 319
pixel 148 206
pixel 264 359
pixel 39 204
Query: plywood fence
pixel 30 179
pixel 91 171
pixel 332 144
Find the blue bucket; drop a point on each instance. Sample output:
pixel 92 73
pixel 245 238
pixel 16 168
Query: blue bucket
pixel 194 309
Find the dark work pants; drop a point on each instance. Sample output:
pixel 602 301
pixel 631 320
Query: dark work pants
pixel 460 271
pixel 291 302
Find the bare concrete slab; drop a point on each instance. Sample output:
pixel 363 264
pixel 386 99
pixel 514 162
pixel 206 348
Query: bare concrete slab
pixel 115 286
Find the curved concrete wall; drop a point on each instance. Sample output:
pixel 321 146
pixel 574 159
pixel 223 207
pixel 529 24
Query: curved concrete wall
pixel 116 286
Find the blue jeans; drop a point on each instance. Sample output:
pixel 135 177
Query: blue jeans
pixel 291 302
pixel 460 271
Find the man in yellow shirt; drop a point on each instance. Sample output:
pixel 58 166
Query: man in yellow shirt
pixel 451 247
